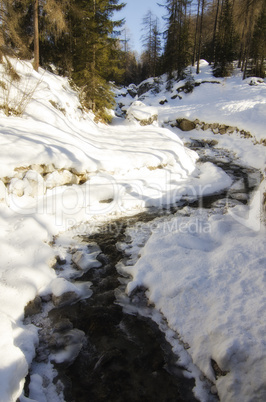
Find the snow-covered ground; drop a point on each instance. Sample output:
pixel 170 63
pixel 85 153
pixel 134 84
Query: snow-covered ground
pixel 59 169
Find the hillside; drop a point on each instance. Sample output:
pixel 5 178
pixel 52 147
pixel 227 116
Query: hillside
pixel 60 171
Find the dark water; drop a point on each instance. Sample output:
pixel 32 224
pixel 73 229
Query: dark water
pixel 119 356
pixel 125 357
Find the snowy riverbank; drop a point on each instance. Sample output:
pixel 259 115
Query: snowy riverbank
pixel 59 169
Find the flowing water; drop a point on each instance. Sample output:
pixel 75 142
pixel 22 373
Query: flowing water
pixel 104 351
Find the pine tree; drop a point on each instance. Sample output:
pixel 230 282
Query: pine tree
pixel 200 34
pixel 226 42
pixel 177 49
pixel 13 39
pixel 95 53
pixel 258 46
pixel 152 45
pixel 214 37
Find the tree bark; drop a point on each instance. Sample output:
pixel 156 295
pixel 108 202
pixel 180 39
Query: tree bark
pixel 214 31
pixel 200 34
pixel 93 67
pixel 196 35
pixel 36 36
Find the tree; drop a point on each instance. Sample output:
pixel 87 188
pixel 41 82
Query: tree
pixel 152 44
pixel 36 35
pixel 258 45
pixel 213 58
pixel 196 35
pixel 12 37
pixel 248 12
pixel 226 42
pixel 49 19
pixel 177 49
pixel 95 50
pixel 200 33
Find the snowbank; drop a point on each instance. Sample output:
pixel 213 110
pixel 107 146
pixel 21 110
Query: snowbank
pixel 206 274
pixel 230 101
pixel 58 169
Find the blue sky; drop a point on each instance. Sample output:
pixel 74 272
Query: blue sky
pixel 133 12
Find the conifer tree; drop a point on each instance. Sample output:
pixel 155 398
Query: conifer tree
pixel 152 44
pixel 200 34
pixel 177 49
pixel 226 42
pixel 13 39
pixel 258 45
pixel 95 54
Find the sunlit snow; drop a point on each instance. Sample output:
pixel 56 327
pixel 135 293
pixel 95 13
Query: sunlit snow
pixel 59 169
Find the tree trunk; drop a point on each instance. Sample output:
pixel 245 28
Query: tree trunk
pixel 200 34
pixel 214 32
pixel 36 36
pixel 93 67
pixel 196 36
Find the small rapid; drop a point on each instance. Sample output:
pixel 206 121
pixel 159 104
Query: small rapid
pixel 106 346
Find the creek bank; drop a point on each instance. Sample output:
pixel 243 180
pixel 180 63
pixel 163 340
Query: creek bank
pixel 99 350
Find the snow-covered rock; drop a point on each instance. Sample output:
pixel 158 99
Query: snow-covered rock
pixel 59 178
pixel 145 115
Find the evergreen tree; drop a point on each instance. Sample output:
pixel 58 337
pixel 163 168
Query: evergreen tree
pixel 95 54
pixel 258 46
pixel 213 54
pixel 13 39
pixel 200 34
pixel 177 49
pixel 152 45
pixel 128 61
pixel 225 43
pixel 51 15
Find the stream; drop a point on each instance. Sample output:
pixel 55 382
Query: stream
pixel 97 347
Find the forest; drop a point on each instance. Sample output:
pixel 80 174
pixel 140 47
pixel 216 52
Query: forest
pixel 85 42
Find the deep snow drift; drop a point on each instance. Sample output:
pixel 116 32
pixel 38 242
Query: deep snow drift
pixel 59 169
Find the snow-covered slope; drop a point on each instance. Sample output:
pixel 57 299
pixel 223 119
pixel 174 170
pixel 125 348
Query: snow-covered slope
pixel 59 169
pixel 229 101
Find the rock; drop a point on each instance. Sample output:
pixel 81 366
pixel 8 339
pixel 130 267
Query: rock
pixel 145 115
pixel 147 122
pixel 185 125
pixel 66 346
pixel 231 129
pixel 222 129
pixel 163 101
pixel 37 168
pixel 145 86
pixel 205 127
pixel 48 168
pixel 176 96
pixel 60 178
pixel 16 187
pixel 20 172
pixel 64 299
pixel 63 325
pixel 84 261
pixel 33 307
pixel 214 390
pixel 132 90
pixel 34 184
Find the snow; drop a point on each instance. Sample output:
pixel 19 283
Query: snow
pixel 204 273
